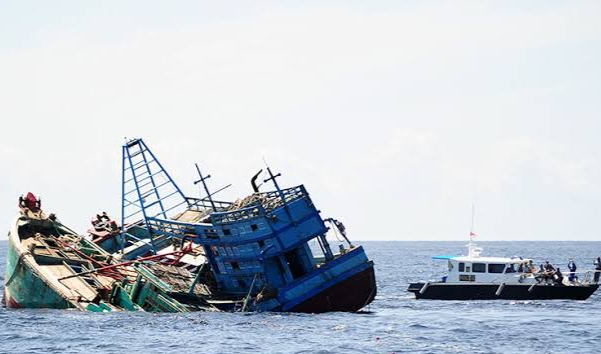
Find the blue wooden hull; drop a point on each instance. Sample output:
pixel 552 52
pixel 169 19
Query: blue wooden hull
pixel 346 295
pixel 344 284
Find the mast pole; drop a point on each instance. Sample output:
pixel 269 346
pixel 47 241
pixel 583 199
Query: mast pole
pixel 204 183
pixel 471 245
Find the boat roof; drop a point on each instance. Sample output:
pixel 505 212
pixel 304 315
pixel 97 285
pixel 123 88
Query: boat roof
pixel 483 259
pixel 444 257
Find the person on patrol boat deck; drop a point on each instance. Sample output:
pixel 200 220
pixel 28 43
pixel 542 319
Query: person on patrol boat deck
pixel 558 277
pixel 597 264
pixel 531 268
pixel 572 267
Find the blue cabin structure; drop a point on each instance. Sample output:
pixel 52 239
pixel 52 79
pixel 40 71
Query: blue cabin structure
pixel 257 248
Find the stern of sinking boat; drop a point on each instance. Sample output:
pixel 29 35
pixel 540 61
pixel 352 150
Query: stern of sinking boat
pixel 347 284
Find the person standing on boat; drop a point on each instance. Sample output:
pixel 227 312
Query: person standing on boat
pixel 572 267
pixel 558 277
pixel 597 264
pixel 549 272
pixel 531 268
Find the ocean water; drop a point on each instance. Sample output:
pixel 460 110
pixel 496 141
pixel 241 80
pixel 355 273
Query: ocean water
pixel 393 323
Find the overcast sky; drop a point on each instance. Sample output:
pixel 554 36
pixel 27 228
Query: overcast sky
pixel 396 115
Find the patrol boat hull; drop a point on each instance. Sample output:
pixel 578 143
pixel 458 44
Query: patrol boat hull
pixel 446 291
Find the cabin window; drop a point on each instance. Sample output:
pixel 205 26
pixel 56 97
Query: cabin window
pixel 261 243
pixel 450 266
pixel 462 267
pixel 211 233
pixel 235 265
pixel 496 268
pixel 242 283
pixel 254 227
pixel 479 267
pixel 468 269
pixel 227 232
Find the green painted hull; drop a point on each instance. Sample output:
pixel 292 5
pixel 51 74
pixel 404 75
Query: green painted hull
pixel 24 287
pixel 27 285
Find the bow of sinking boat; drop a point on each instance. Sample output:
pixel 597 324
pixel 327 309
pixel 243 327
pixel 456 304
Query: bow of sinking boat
pixel 43 260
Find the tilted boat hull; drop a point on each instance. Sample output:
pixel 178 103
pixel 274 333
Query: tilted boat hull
pixel 347 284
pixel 349 295
pixel 24 286
pixel 446 291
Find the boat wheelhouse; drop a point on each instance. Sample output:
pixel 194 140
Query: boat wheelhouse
pixel 474 277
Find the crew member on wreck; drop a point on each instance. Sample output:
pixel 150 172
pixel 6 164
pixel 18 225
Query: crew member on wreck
pixel 30 202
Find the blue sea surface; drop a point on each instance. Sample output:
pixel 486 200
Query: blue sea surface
pixel 394 323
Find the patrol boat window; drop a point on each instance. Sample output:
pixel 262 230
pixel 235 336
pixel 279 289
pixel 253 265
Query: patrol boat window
pixel 479 267
pixel 496 268
pixel 461 266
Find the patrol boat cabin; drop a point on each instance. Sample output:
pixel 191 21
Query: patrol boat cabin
pixel 473 277
pixel 473 268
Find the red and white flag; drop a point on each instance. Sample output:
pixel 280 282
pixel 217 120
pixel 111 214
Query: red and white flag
pixel 472 234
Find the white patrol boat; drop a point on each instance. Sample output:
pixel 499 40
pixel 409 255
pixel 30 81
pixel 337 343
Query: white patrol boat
pixel 473 277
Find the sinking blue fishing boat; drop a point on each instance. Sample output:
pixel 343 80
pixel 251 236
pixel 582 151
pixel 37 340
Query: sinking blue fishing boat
pixel 258 250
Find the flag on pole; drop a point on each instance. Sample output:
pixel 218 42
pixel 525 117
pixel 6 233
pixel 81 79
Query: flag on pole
pixel 472 234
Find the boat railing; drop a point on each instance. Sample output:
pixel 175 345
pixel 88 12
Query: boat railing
pixel 587 279
pixel 206 204
pixel 172 227
pixel 589 276
pixel 250 212
pixel 275 199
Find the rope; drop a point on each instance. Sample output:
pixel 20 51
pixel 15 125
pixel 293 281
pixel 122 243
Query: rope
pixel 252 285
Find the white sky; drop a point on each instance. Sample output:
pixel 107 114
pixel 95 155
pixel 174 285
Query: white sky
pixel 396 115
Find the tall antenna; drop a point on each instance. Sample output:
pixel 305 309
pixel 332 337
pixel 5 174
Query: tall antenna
pixel 204 183
pixel 472 234
pixel 473 251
